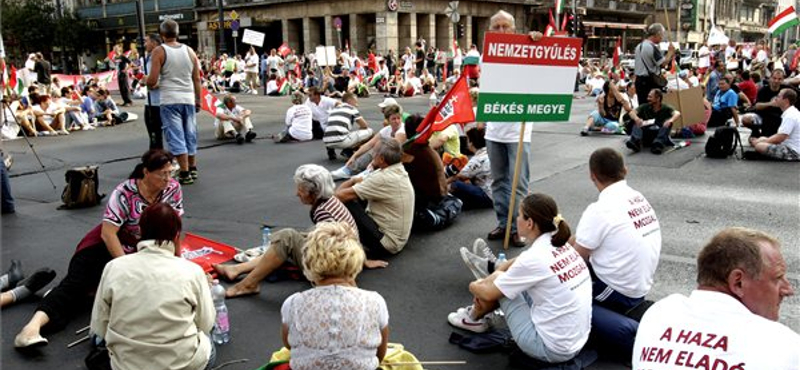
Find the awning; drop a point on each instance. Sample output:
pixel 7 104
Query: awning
pixel 630 26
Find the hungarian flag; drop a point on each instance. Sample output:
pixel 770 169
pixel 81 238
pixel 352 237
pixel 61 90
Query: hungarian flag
pixel 617 52
pixel 284 50
pixel 284 87
pixel 456 107
pixel 205 252
pixel 783 21
pixel 15 82
pixel 551 27
pixel 210 102
pixel 111 55
pixel 559 10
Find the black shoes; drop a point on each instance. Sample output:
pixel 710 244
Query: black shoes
pixel 249 136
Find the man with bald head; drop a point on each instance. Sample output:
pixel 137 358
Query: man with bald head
pixel 730 320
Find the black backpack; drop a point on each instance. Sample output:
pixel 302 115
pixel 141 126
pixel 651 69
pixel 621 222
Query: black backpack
pixel 723 143
pixel 81 188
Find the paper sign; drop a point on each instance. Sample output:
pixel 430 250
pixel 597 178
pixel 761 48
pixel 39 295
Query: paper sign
pixel 523 80
pixel 253 38
pixel 326 56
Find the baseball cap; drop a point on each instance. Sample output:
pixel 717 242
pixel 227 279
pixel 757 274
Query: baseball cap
pixel 388 102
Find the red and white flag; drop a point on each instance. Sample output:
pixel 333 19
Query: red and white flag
pixel 210 102
pixel 456 107
pixel 551 27
pixel 284 50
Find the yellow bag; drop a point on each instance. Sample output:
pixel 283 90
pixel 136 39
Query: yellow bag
pixel 395 353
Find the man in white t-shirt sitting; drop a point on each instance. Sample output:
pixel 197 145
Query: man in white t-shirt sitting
pixel 298 121
pixel 320 110
pixel 233 121
pixel 785 144
pixel 619 236
pixel 412 85
pixel 730 320
pixel 340 132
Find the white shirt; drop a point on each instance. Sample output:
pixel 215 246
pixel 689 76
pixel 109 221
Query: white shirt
pixel 386 132
pixel 223 109
pixel 673 85
pixel 252 59
pixel 408 62
pixel 273 61
pixel 694 81
pixel 320 112
pixel 558 281
pixel 712 328
pixel 623 233
pixel 704 61
pixel 416 83
pixel 272 86
pixel 298 120
pixel 790 125
pixel 762 56
pixel 507 132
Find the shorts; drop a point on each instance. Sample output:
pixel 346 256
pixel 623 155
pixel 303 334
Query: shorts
pixel 782 152
pixel 600 121
pixel 251 78
pixel 180 128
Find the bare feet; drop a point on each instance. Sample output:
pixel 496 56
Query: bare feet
pixel 241 289
pixel 29 337
pixel 228 272
pixel 374 264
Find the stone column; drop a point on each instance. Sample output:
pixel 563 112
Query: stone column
pixel 330 32
pixel 386 32
pixel 354 33
pixel 468 32
pixel 444 33
pixel 412 34
pixel 285 31
pixel 307 36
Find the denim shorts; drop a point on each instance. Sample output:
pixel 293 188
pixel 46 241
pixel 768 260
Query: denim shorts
pixel 180 128
pixel 600 121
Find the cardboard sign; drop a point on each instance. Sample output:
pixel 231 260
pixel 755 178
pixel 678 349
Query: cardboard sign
pixel 326 56
pixel 523 80
pixel 691 106
pixel 254 38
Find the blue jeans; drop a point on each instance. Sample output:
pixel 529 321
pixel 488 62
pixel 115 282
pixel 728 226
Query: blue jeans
pixel 180 128
pixel 472 196
pixel 518 317
pixel 502 157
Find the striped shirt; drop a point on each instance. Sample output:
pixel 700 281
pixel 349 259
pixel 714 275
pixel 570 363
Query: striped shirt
pixel 340 122
pixel 332 210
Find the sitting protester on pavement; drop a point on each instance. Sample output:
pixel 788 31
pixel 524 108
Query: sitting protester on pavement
pixel 320 110
pixel 545 293
pixel 314 188
pixel 610 106
pixel 733 313
pixel 342 132
pixel 233 121
pixel 785 144
pixel 725 104
pixel 473 184
pixel 299 126
pixel 357 320
pixel 764 117
pixel 50 115
pixel 654 112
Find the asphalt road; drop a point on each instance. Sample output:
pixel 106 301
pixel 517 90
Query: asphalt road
pixel 241 187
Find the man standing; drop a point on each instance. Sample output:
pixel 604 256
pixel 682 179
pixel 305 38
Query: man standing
pixel 175 72
pixel 419 58
pixel 784 145
pixel 703 60
pixel 662 115
pixel 152 108
pixel 730 320
pixel 648 60
pixel 123 65
pixel 42 69
pixel 251 70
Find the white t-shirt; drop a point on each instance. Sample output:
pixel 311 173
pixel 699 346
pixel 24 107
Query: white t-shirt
pixel 712 330
pixel 790 125
pixel 386 132
pixel 622 231
pixel 762 56
pixel 320 112
pixel 507 132
pixel 558 281
pixel 704 61
pixel 408 62
pixel 298 119
pixel 223 109
pixel 273 61
pixel 416 83
pixel 272 86
pixel 252 59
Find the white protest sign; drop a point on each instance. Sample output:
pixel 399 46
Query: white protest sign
pixel 253 38
pixel 326 56
pixel 523 80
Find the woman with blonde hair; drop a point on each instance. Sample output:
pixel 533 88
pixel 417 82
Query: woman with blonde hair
pixel 334 325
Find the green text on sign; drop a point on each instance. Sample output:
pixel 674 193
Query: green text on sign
pixel 496 107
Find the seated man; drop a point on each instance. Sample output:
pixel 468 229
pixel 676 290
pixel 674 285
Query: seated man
pixel 50 116
pixel 106 110
pixel 342 81
pixel 785 144
pixel 764 117
pixel 473 184
pixel 76 119
pixel 741 281
pixel 272 86
pixel 24 115
pixel 233 121
pixel 385 224
pixel 315 189
pixel 657 113
pixel 298 121
pixel 594 84
pixel 339 134
pixel 320 110
pixel 609 107
pixel 447 143
pixel 619 237
pixel 725 104
pixel 411 86
pixel 425 170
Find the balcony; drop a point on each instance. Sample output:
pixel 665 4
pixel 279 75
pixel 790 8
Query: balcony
pixel 90 12
pixel 115 9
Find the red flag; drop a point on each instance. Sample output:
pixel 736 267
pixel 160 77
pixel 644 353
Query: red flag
pixel 456 107
pixel 111 55
pixel 12 79
pixel 617 51
pixel 564 22
pixel 205 252
pixel 209 102
pixel 444 72
pixel 284 50
pixel 297 70
pixel 371 63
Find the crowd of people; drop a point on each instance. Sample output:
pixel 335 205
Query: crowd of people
pixel 563 289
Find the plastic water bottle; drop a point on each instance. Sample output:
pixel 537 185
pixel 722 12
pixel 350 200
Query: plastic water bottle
pixel 266 233
pixel 501 258
pixel 221 333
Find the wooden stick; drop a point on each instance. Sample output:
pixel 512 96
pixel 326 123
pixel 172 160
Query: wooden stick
pixel 424 363
pixel 82 330
pixel 514 182
pixel 79 341
pixel 677 81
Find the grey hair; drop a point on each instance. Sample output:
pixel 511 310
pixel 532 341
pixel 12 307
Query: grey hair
pixel 655 29
pixel 169 29
pixel 315 179
pixel 390 151
pixel 502 14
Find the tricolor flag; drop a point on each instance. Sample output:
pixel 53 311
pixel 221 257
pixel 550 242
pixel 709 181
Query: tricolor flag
pixel 284 87
pixel 783 21
pixel 210 102
pixel 456 107
pixel 559 10
pixel 617 52
pixel 15 82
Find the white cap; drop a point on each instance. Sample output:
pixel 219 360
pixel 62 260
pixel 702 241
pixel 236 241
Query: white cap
pixel 388 102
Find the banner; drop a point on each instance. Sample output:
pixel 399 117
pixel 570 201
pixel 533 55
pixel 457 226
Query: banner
pixel 550 65
pixel 205 252
pixel 456 107
pixel 253 38
pixel 107 79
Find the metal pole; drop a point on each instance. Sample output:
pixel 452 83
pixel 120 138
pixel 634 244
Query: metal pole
pixel 60 14
pixel 574 19
pixel 222 47
pixel 140 23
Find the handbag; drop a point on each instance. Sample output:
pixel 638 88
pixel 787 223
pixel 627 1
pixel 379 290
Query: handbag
pixel 657 78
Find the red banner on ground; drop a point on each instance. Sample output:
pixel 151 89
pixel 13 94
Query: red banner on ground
pixel 205 252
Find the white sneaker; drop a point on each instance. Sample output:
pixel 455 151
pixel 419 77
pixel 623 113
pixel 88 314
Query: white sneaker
pixel 480 249
pixel 478 265
pixel 63 132
pixel 342 173
pixel 462 319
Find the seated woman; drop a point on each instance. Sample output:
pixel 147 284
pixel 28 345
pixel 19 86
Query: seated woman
pixel 473 184
pixel 149 183
pixel 314 188
pixel 610 105
pixel 361 159
pixel 164 320
pixel 272 86
pixel 555 326
pixel 298 121
pixel 16 287
pixel 334 325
